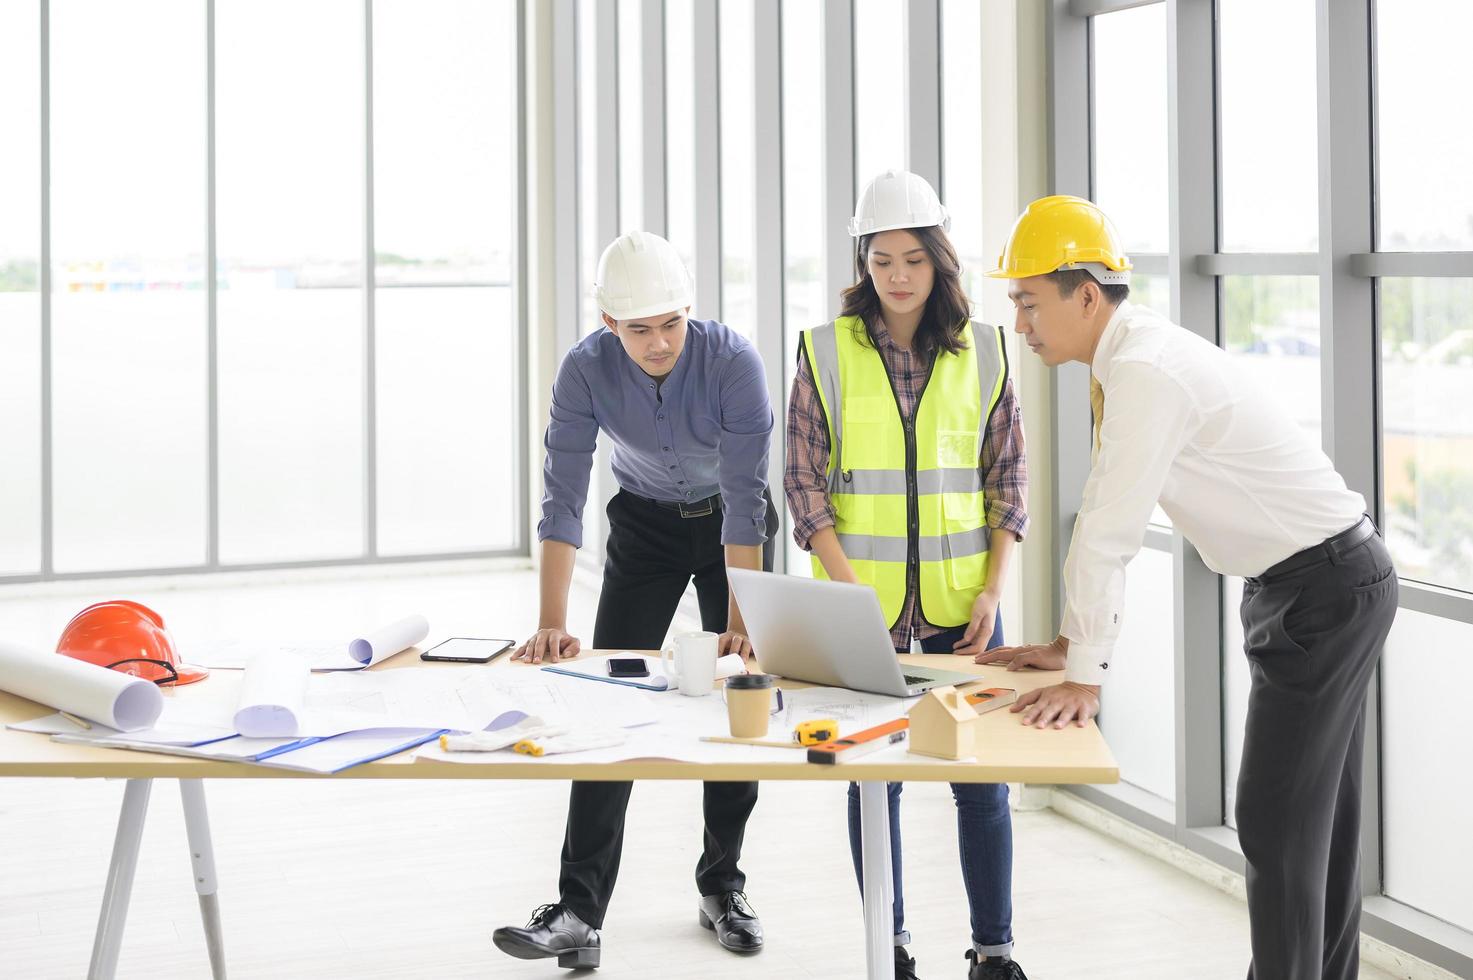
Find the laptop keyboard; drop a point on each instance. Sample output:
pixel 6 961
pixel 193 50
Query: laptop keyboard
pixel 912 680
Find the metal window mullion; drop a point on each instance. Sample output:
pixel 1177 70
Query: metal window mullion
pixel 520 301
pixel 1070 172
pixel 1348 362
pixel 767 215
pixel 1256 264
pixel 48 559
pixel 212 316
pixel 922 32
pixel 370 378
pixel 1192 177
pixel 705 147
pixel 1454 265
pixel 1091 8
pixel 836 45
pixel 652 107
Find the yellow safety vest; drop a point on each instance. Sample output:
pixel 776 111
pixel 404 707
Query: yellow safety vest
pixel 909 491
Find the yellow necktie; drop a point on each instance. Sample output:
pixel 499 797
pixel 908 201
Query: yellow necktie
pixel 1097 412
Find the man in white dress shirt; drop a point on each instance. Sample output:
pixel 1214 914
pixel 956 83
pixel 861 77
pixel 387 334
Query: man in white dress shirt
pixel 1179 422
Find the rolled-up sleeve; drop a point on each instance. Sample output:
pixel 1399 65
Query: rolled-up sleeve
pixel 805 481
pixel 1004 466
pixel 572 433
pixel 746 435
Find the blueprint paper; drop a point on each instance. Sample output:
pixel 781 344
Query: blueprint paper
pixel 356 654
pixel 108 697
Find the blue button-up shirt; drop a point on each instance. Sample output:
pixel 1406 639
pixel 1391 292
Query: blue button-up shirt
pixel 705 429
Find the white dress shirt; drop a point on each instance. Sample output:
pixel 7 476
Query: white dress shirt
pixel 1189 426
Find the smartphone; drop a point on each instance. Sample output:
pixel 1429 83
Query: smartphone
pixel 628 667
pixel 467 650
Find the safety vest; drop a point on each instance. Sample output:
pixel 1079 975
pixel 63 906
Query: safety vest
pixel 909 491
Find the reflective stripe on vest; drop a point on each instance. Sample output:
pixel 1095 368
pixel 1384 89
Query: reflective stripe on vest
pixel 870 477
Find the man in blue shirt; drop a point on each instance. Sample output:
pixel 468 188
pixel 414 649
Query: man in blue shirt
pixel 685 404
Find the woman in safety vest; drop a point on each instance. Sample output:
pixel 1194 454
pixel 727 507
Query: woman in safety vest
pixel 906 471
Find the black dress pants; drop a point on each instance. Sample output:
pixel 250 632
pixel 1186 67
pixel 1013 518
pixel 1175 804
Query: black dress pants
pixel 653 552
pixel 1312 635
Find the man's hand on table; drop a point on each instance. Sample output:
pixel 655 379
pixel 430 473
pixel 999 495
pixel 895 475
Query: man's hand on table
pixel 1059 704
pixel 548 644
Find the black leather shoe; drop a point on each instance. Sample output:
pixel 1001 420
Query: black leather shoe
pixel 736 925
pixel 553 930
pixel 905 965
pixel 992 968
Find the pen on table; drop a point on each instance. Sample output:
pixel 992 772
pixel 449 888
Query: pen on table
pixel 79 722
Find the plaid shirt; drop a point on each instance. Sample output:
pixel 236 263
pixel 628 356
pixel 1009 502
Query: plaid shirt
pixel 1003 463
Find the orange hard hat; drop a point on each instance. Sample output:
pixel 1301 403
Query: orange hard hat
pixel 128 637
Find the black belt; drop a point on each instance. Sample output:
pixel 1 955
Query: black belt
pixel 1331 549
pixel 695 508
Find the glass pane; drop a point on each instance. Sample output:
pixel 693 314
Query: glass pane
pixel 1136 706
pixel 1270 200
pixel 1153 291
pixel 20 297
pixel 1425 197
pixel 128 306
pixel 680 132
pixel 446 356
pixel 1129 99
pixel 738 305
pixel 590 241
pixel 1426 784
pixel 1427 427
pixel 1236 681
pixel 803 231
pixel 631 118
pixel 1272 324
pixel 291 200
pixel 961 138
pixel 879 92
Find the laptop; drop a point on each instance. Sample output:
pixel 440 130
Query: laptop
pixel 829 633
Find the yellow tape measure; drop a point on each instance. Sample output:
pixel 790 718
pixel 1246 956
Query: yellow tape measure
pixel 817 731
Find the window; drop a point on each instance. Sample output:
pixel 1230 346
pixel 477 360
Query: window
pixel 803 231
pixel 20 296
pixel 1427 785
pixel 631 118
pixel 1270 181
pixel 591 188
pixel 879 89
pixel 291 197
pixel 1427 427
pixel 129 312
pixel 680 132
pixel 738 156
pixel 961 146
pixel 1272 324
pixel 1425 197
pixel 446 334
pixel 1135 707
pixel 1129 107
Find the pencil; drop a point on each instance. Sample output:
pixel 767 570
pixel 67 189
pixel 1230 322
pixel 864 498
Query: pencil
pixel 79 722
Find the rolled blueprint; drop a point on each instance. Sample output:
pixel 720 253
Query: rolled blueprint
pixel 272 694
pixel 88 691
pixel 389 640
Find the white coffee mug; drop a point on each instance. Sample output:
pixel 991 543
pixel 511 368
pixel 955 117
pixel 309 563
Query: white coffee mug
pixel 691 666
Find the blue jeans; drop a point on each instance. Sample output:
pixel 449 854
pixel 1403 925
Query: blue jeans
pixel 984 829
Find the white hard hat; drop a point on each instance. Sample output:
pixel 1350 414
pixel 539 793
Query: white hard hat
pixel 641 274
pixel 897 199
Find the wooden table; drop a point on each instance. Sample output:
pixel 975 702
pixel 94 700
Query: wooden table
pixel 1009 752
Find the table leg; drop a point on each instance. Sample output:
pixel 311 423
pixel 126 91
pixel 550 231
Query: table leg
pixel 119 888
pixel 879 922
pixel 202 856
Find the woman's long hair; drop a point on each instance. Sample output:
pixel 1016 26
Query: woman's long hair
pixel 947 308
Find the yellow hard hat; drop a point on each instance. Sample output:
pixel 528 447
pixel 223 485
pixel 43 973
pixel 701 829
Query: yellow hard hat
pixel 1063 232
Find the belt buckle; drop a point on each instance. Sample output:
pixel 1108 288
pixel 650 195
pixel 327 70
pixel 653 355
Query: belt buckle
pixel 701 508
